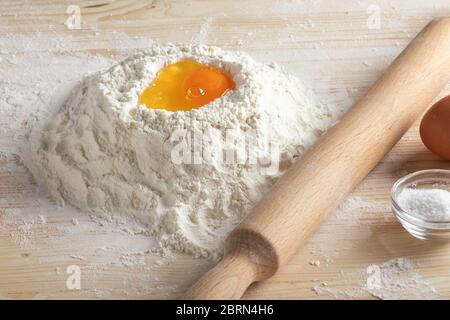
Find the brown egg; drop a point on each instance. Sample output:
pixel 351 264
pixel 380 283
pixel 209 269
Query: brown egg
pixel 435 128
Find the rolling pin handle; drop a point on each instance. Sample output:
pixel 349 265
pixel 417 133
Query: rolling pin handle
pixel 227 280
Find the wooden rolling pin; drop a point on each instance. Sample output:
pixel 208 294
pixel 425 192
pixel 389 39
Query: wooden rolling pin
pixel 333 167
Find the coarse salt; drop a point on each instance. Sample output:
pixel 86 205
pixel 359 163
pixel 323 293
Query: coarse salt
pixel 430 204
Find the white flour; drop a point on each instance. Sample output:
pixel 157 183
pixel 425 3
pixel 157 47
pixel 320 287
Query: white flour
pixel 398 279
pixel 108 155
pixel 395 279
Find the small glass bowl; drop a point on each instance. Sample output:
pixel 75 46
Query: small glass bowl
pixel 416 226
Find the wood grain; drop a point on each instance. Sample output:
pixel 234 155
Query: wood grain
pixel 329 45
pixel 278 225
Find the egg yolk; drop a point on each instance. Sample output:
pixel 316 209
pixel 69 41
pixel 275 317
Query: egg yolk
pixel 186 85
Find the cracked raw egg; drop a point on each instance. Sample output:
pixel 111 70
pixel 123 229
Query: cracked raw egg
pixel 186 85
pixel 435 128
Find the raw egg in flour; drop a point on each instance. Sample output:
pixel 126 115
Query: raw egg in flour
pixel 435 128
pixel 186 85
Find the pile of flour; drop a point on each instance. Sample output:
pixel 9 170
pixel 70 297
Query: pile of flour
pixel 106 154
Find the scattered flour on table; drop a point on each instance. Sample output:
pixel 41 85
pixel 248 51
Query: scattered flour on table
pixel 398 279
pixel 106 154
pixel 357 210
pixel 357 215
pixel 394 279
pixel 203 31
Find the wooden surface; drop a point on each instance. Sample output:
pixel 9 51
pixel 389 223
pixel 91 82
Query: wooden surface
pixel 331 45
pixel 316 184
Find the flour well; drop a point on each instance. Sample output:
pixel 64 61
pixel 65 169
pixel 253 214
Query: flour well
pixel 110 156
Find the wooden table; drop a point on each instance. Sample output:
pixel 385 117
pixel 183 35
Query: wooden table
pixel 336 46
